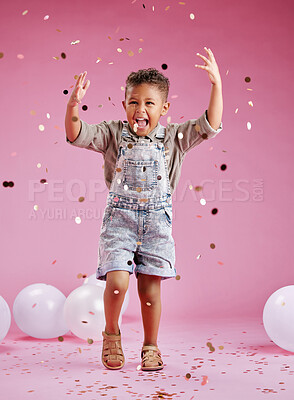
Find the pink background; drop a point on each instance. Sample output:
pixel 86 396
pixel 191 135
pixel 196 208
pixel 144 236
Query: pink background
pixel 253 228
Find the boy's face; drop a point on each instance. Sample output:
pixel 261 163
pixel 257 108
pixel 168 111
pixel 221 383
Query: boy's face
pixel 144 105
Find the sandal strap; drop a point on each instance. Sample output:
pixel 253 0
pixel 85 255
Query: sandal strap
pixel 112 349
pixel 151 354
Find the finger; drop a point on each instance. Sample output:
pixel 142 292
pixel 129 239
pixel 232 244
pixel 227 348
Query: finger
pixel 87 84
pixel 78 82
pixel 203 58
pixel 83 78
pixel 211 54
pixel 202 67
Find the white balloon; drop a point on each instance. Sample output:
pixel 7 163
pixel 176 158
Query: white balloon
pixel 92 280
pixel 38 311
pixel 278 317
pixel 84 312
pixel 5 318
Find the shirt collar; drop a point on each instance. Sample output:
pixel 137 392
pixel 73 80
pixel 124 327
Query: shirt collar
pixel 151 136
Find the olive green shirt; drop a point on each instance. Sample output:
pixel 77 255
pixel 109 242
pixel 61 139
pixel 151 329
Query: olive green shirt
pixel 178 140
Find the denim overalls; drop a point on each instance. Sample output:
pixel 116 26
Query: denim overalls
pixel 137 221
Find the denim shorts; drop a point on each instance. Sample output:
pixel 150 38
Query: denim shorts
pixel 137 240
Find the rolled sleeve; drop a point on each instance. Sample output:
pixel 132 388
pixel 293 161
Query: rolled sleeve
pixel 94 137
pixel 193 132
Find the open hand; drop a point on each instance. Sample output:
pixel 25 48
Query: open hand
pixel 79 90
pixel 210 66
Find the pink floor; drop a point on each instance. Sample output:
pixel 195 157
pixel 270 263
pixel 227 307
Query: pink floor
pixel 248 366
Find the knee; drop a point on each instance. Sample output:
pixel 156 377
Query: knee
pixel 149 289
pixel 117 282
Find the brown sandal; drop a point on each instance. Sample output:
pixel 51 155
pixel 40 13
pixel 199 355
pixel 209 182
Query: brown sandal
pixel 151 358
pixel 112 353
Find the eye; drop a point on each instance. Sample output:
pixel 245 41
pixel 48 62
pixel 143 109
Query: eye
pixel 150 102
pixel 133 102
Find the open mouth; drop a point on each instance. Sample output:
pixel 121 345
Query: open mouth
pixel 141 122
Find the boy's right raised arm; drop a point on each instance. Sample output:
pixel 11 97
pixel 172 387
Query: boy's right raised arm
pixel 72 119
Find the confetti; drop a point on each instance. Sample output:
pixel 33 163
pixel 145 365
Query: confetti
pixel 202 202
pixel 180 135
pixel 164 66
pixel 41 127
pixel 212 245
pixel 1 55
pixel 192 16
pixel 84 108
pixel 46 17
pixel 60 338
pixel 250 103
pixel 48 115
pixel 78 220
pixel 20 56
pixel 211 348
pixel 198 188
pixel 36 207
pixel 43 181
pixel 81 199
pixel 98 60
pixel 38 165
pixel 130 53
pixel 65 91
pixel 188 376
pixel 148 304
pixel 247 79
pixel 204 380
pixel 75 42
pixel 116 291
pixel 140 50
pixel 198 257
pixel 223 167
pixel 214 211
pixel 119 50
pixel 237 109
pixel 249 126
pixel 63 55
pixel 90 341
pixel 178 277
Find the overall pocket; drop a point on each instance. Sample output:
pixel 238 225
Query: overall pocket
pixel 140 175
pixel 108 212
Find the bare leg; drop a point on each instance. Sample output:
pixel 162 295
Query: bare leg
pixel 149 293
pixel 117 283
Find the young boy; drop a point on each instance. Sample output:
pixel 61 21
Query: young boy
pixel 142 168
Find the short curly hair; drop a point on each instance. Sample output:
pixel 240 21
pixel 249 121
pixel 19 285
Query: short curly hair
pixel 151 76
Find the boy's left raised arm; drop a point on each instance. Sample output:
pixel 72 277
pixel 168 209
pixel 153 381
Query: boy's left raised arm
pixel 215 108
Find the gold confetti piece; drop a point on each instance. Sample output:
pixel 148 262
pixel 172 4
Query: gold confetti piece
pixel 25 12
pixel 100 105
pixel 58 30
pixel 182 3
pixel 250 90
pixel 41 127
pixel 198 188
pixel 249 126
pixel 167 8
pixel 148 304
pixel 221 347
pixel 1 55
pixel 283 303
pixel 212 245
pixel 98 60
pixel 78 220
pixel 75 42
pixel 79 276
pixel 140 50
pixel 80 350
pixel 178 277
pixel 84 322
pixel 55 58
pixel 119 50
pixel 116 291
pixel 109 37
pixel 247 79
pixel 250 103
pixel 90 341
pixel 192 16
pixel 33 112
pixel 197 128
pixel 130 53
pixel 138 189
pixel 60 338
pixel 191 187
pixel 139 243
pixel 188 375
